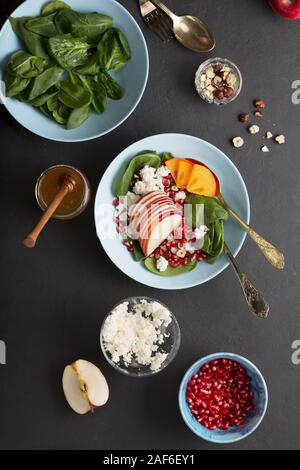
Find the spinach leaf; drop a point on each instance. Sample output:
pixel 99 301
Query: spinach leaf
pixel 165 156
pixel 53 103
pixel 15 85
pixel 98 92
pixel 78 117
pixel 25 65
pixel 73 94
pixel 91 66
pixel 61 114
pixel 63 20
pixel 34 43
pixel 42 25
pixel 136 164
pixel 45 111
pixel 43 99
pixel 150 264
pixel 113 49
pixel 214 241
pixel 213 210
pixel 68 52
pixel 90 25
pixel 138 253
pixel 44 81
pixel 54 6
pixel 112 87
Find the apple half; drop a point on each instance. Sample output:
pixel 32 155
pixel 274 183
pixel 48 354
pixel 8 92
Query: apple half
pixel 84 386
pixel 153 219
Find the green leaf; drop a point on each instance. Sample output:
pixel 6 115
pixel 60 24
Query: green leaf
pixel 45 111
pixel 54 6
pixel 53 103
pixel 112 87
pixel 90 25
pixel 214 241
pixel 42 25
pixel 114 51
pixel 98 92
pixel 44 81
pixel 25 65
pixel 73 94
pixel 138 253
pixel 68 52
pixel 34 43
pixel 213 210
pixel 150 264
pixel 78 117
pixel 91 66
pixel 165 156
pixel 136 164
pixel 43 99
pixel 61 114
pixel 14 85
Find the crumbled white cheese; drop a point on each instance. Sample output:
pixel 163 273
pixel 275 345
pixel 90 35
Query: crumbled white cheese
pixel 200 232
pixel 180 195
pixel 162 172
pixel 135 334
pixel 162 264
pixel 131 199
pixel 140 188
pixel 147 174
pixel 189 247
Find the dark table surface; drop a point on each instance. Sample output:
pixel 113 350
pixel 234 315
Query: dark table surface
pixel 53 299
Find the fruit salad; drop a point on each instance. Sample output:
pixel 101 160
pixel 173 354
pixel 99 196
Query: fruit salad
pixel 167 213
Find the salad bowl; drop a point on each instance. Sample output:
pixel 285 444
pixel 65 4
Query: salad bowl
pixel 183 146
pixel 133 78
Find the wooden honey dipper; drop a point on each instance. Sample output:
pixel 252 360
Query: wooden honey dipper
pixel 67 186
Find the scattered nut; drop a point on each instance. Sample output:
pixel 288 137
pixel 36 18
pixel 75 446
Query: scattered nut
pixel 217 81
pixel 265 149
pixel 228 91
pixel 181 253
pixel 231 79
pixel 210 72
pixel 269 135
pixel 244 117
pixel 260 104
pixel 258 114
pixel 238 142
pixel 254 129
pixel 280 139
pixel 210 88
pixel 203 77
pixel 219 94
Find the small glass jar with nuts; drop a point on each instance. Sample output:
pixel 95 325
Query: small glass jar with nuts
pixel 218 81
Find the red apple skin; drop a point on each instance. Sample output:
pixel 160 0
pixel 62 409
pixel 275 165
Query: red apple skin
pixel 289 9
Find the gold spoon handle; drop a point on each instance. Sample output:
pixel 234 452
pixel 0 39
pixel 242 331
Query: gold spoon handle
pixel 255 300
pixel 165 9
pixel 271 252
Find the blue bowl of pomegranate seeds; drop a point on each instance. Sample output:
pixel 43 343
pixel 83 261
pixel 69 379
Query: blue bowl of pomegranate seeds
pixel 223 398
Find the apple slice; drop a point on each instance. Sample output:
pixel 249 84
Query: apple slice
pixel 160 230
pixel 84 386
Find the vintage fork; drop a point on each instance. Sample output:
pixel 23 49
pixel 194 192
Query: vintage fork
pixel 156 20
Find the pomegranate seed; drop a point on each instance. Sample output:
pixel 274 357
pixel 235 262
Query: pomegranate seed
pixel 116 202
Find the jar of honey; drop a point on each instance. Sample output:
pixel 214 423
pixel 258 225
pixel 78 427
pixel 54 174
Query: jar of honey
pixel 50 182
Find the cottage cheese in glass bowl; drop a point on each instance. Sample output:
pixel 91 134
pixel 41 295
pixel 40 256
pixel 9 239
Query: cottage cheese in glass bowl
pixel 140 336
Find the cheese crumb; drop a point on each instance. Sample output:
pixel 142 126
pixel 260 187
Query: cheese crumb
pixel 162 264
pixel 136 333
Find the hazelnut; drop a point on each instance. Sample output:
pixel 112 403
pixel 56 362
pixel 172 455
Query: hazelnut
pixel 244 117
pixel 217 80
pixel 210 72
pixel 238 142
pixel 228 91
pixel 265 149
pixel 254 129
pixel 217 69
pixel 269 135
pixel 258 114
pixel 219 94
pixel 280 139
pixel 260 104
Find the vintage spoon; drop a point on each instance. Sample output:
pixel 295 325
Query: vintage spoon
pixel 68 185
pixel 255 300
pixel 190 31
pixel 271 252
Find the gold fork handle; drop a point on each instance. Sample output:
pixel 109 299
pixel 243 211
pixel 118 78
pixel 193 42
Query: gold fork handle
pixel 255 300
pixel 271 252
pixel 164 8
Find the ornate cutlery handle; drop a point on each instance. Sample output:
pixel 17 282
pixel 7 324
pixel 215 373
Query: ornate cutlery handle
pixel 255 300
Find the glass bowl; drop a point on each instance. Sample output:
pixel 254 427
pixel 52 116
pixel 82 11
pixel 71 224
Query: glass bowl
pixel 218 61
pixel 170 346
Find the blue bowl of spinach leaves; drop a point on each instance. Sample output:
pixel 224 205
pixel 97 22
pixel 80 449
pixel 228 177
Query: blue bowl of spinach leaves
pixel 72 71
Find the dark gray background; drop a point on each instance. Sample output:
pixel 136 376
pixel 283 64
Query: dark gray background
pixel 53 299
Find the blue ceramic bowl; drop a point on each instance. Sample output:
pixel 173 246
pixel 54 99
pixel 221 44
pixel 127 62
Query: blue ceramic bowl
pixel 254 418
pixel 133 77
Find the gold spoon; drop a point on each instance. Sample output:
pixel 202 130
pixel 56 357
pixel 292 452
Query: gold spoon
pixel 255 300
pixel 190 31
pixel 271 252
